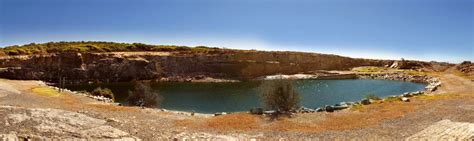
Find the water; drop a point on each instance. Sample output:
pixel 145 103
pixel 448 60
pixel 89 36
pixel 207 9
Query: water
pixel 241 96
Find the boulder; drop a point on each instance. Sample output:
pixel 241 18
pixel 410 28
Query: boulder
pixel 329 108
pixel 319 109
pixel 221 113
pixel 306 110
pixel 365 101
pixel 340 107
pixel 348 103
pixel 418 93
pixel 269 112
pixel 256 111
pixel 404 99
pixel 407 94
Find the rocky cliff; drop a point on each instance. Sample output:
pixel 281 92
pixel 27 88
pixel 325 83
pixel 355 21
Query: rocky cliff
pixel 126 66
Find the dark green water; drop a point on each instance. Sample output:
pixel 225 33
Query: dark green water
pixel 241 96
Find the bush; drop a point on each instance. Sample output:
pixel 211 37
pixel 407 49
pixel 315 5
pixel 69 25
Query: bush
pixel 392 99
pixel 2 53
pixel 279 95
pixel 144 96
pixel 373 97
pixel 105 92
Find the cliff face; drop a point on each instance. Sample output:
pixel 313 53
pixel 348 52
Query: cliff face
pixel 128 66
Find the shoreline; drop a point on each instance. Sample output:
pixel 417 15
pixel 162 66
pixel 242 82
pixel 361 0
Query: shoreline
pixel 432 83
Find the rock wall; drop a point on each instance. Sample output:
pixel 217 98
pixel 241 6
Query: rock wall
pixel 144 66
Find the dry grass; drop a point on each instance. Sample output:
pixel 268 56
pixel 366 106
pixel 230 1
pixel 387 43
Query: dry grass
pixel 360 116
pixel 439 96
pixel 463 75
pixel 356 107
pixel 412 72
pixel 183 122
pixel 238 121
pixel 391 99
pixel 45 91
pixel 230 122
pixel 364 116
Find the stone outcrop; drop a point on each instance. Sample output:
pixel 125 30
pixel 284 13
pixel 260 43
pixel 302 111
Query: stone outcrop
pixel 120 66
pixel 55 122
pixel 416 65
pixel 466 67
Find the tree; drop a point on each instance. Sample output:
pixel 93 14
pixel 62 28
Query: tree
pixel 279 95
pixel 144 96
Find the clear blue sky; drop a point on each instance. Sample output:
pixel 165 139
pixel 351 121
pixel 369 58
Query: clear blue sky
pixel 441 30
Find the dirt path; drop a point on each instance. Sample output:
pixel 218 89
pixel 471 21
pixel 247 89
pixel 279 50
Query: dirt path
pixel 23 100
pixel 453 83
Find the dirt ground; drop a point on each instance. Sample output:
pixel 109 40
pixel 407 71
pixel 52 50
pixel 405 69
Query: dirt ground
pixel 30 109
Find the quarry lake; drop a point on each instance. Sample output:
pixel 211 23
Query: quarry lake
pixel 241 96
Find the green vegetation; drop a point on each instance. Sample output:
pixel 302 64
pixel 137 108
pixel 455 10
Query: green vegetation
pixel 357 107
pixel 93 46
pixel 279 95
pixel 373 97
pixel 105 92
pixel 369 69
pixel 144 96
pixel 412 72
pixel 392 99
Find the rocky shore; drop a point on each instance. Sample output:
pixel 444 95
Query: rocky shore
pixel 432 82
pixel 432 85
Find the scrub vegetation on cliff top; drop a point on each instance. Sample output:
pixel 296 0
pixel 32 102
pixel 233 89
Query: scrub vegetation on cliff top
pixel 96 46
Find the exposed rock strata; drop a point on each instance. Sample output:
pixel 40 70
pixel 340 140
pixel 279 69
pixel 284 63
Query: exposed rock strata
pixel 141 66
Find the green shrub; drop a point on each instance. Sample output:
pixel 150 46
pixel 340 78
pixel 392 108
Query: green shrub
pixel 373 97
pixel 279 95
pixel 392 99
pixel 144 96
pixel 105 92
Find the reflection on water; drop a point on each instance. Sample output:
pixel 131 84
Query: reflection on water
pixel 241 96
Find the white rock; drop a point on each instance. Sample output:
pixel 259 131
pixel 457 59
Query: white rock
pixel 404 99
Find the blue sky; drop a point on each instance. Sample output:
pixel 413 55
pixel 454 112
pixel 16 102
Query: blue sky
pixel 441 30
